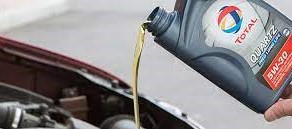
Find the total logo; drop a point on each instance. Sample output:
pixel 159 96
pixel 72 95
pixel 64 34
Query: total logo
pixel 230 21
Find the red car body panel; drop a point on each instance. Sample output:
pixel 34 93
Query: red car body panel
pixel 58 60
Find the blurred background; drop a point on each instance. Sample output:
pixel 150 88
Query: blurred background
pixel 103 33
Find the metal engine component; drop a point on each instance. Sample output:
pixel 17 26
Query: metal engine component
pixel 14 116
pixel 119 122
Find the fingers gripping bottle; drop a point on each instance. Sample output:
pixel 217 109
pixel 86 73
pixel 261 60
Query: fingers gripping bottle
pixel 242 46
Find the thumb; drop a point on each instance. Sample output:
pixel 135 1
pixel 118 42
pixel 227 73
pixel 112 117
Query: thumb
pixel 279 110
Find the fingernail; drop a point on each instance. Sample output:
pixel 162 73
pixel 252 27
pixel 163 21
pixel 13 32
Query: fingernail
pixel 270 117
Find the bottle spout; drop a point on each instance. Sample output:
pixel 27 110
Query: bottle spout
pixel 159 21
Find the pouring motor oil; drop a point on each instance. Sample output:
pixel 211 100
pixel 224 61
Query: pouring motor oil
pixel 242 46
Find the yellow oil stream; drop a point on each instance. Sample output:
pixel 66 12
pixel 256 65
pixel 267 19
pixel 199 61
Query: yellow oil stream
pixel 137 56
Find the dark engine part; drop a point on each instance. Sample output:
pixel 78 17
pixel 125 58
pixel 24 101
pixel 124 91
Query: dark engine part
pixel 119 122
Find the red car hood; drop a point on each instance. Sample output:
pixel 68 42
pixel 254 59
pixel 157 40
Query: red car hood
pixel 54 59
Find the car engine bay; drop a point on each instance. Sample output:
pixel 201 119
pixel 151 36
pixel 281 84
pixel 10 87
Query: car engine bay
pixel 16 113
pixel 44 90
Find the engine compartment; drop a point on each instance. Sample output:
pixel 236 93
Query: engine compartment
pixel 52 86
pixel 88 98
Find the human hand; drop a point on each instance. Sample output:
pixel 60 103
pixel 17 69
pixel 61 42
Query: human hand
pixel 282 108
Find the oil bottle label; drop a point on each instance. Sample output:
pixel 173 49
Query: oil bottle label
pixel 253 32
pixel 280 67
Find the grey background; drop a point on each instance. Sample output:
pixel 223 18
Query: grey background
pixel 103 33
